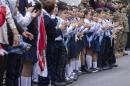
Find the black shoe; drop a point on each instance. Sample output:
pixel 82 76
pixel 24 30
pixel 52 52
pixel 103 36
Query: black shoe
pixel 76 77
pixel 78 72
pixel 60 84
pixel 125 54
pixel 95 70
pixel 85 69
pixel 107 68
pixel 52 83
pixel 114 65
pixel 34 83
pixel 69 82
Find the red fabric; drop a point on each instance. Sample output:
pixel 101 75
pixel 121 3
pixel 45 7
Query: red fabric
pixel 41 44
pixel 1 46
pixel 2 15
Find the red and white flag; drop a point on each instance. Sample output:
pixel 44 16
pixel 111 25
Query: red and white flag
pixel 41 46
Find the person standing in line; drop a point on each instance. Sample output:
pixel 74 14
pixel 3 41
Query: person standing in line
pixel 4 42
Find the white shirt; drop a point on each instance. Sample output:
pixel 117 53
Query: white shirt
pixel 3 29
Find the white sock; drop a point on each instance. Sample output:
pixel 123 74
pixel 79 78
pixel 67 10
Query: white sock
pixel 74 64
pixel 29 81
pixel 77 64
pixel 67 70
pixel 95 64
pixel 89 61
pixel 35 75
pixel 71 67
pixel 24 81
pixel 19 79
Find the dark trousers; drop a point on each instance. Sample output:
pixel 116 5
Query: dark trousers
pixel 3 62
pixel 13 69
pixel 60 61
pixel 50 65
pixel 51 61
pixel 106 55
pixel 56 61
pixel 43 81
pixel 128 41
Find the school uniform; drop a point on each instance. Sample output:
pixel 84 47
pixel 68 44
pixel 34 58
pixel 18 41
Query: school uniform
pixel 60 54
pixel 92 39
pixel 107 49
pixel 52 33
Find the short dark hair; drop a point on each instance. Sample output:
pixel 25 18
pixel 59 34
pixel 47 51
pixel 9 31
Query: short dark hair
pixel 62 6
pixel 99 10
pixel 48 5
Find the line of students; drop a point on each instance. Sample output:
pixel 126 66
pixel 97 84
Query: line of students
pixel 75 41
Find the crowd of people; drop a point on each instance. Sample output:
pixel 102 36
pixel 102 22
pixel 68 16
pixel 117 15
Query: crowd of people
pixel 44 42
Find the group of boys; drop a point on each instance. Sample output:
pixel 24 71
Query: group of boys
pixel 61 42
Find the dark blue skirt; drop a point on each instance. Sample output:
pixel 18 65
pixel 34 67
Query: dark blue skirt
pixel 95 44
pixel 30 55
pixel 81 45
pixel 73 48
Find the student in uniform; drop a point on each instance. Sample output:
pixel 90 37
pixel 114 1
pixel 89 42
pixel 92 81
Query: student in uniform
pixel 106 55
pixel 91 56
pixel 60 53
pixel 52 33
pixel 14 65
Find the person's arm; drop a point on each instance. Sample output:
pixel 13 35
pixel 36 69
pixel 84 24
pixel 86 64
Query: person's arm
pixel 23 20
pixel 50 27
pixel 12 25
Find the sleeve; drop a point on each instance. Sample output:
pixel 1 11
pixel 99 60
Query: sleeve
pixel 19 28
pixel 50 27
pixel 9 18
pixel 24 20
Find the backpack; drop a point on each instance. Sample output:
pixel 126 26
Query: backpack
pixel 2 15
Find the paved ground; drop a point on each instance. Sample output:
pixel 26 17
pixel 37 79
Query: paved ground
pixel 116 77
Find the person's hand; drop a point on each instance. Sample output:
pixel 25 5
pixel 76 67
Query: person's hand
pixel 35 13
pixel 28 35
pixel 87 26
pixel 81 22
pixel 62 26
pixel 16 37
pixel 16 40
pixel 3 52
pixel 15 12
pixel 29 9
pixel 74 24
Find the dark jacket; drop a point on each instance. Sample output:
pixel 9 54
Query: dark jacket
pixel 50 26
